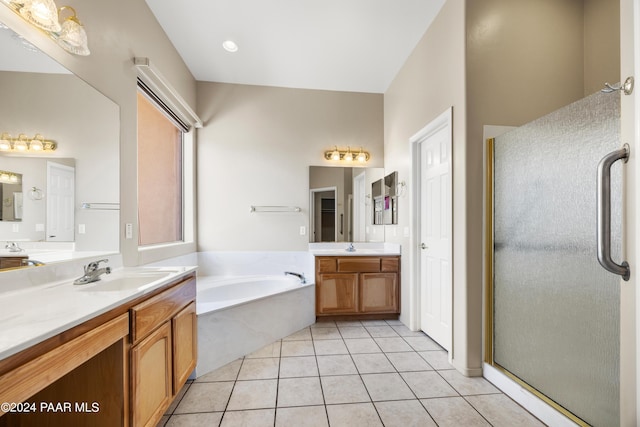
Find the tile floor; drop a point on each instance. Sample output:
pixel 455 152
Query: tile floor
pixel 351 374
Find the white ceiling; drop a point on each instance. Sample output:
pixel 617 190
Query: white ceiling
pixel 344 45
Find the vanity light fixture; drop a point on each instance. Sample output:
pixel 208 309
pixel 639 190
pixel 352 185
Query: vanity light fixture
pixel 346 155
pixel 23 144
pixel 10 177
pixel 44 14
pixel 72 36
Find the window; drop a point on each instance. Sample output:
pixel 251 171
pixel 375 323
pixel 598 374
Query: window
pixel 160 172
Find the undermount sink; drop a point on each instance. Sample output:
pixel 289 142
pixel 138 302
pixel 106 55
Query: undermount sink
pixel 124 281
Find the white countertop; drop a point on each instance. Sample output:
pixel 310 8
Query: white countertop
pixel 31 315
pixel 361 249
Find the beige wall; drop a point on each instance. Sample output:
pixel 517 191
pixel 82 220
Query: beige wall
pixel 496 62
pixel 601 44
pixel 431 81
pixel 516 72
pixel 118 30
pixel 256 148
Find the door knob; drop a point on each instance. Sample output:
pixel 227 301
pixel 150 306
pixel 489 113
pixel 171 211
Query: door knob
pixel 423 246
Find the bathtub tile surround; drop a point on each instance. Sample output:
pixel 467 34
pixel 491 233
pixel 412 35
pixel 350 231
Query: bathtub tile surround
pixel 240 263
pixel 374 386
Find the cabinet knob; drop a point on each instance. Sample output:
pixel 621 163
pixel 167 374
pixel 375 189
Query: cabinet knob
pixel 423 246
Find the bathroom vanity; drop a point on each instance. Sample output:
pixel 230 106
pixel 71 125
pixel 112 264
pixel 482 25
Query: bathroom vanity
pixel 360 284
pixel 12 261
pixel 121 366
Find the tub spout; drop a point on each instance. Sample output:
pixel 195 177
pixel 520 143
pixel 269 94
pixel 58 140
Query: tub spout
pixel 299 275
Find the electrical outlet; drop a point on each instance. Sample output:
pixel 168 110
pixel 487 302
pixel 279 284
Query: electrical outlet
pixel 81 229
pixel 128 231
pixel 15 228
pixel 303 230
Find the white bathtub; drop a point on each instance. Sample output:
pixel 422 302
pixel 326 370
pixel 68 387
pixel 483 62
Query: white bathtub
pixel 239 315
pixel 216 293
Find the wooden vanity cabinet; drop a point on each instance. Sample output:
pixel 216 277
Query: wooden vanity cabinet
pixel 163 352
pixel 357 285
pixel 120 368
pixel 12 261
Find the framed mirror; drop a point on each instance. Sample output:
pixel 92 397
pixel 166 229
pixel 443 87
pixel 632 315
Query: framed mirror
pixel 341 208
pixel 47 99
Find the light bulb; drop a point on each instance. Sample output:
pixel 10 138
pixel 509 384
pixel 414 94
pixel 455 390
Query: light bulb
pixel 41 13
pixel 21 143
pixel 5 142
pixel 348 157
pixel 361 157
pixel 336 154
pixel 73 37
pixel 36 143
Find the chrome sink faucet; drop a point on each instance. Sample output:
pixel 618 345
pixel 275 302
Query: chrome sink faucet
pixel 350 248
pixel 303 280
pixel 13 247
pixel 92 273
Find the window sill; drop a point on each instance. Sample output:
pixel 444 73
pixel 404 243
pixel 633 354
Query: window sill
pixel 154 253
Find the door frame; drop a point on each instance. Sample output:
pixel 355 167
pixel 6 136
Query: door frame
pixel 443 121
pixel 312 211
pixel 629 295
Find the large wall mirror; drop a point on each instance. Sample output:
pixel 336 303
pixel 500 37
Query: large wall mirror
pixel 42 97
pixel 341 204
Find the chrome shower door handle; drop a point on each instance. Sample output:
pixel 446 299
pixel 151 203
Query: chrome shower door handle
pixel 604 212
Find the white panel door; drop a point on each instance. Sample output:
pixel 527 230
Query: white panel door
pixel 435 233
pixel 60 202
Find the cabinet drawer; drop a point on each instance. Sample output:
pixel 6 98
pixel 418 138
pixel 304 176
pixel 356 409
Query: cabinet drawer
pixel 390 264
pixel 146 316
pixel 326 265
pixel 359 264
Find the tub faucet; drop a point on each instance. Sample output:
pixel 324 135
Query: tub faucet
pixel 13 247
pixel 92 273
pixel 298 275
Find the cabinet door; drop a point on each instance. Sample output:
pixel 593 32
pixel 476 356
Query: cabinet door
pixel 185 345
pixel 379 293
pixel 151 389
pixel 337 293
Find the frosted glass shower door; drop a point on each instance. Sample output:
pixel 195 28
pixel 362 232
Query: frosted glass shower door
pixel 555 309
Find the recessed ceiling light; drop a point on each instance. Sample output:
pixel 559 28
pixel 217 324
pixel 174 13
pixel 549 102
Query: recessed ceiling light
pixel 230 46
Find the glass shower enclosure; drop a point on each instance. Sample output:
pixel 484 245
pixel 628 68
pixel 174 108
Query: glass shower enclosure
pixel 553 310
